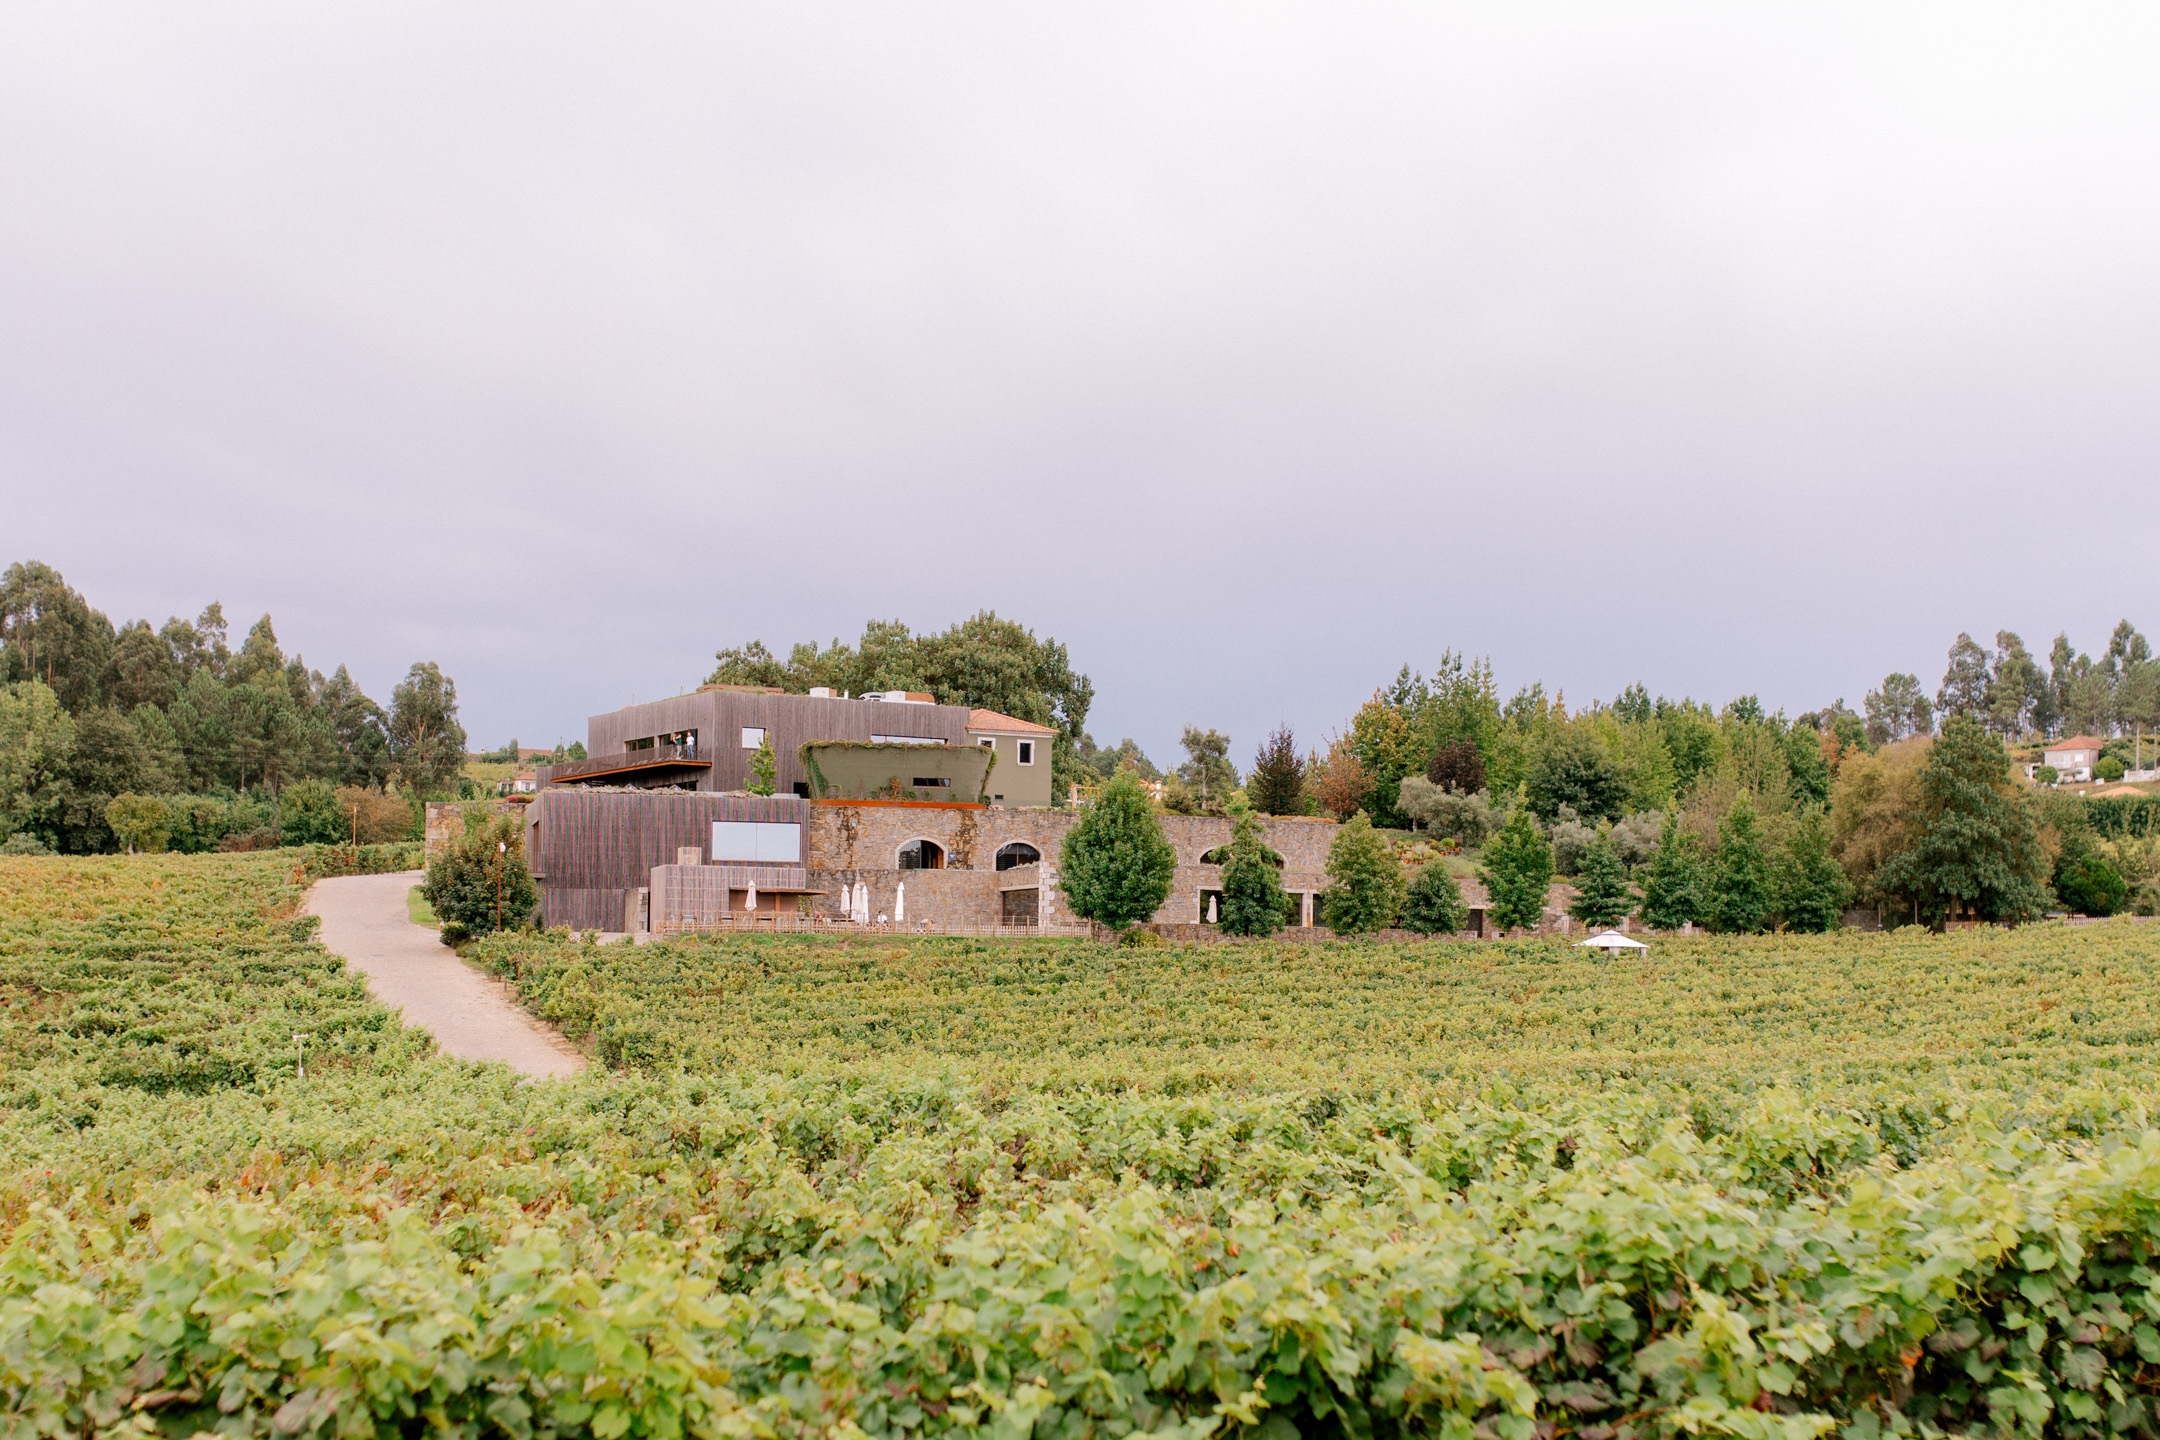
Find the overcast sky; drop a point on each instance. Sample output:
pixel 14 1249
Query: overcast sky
pixel 1250 350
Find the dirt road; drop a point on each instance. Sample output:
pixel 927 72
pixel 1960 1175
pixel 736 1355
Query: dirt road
pixel 471 1014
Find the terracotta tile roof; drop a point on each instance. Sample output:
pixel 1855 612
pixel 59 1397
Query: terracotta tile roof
pixel 2077 742
pixel 991 720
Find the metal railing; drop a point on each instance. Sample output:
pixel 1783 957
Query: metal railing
pixel 650 756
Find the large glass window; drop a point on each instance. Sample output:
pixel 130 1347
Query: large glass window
pixel 744 841
pixel 921 855
pixel 1018 853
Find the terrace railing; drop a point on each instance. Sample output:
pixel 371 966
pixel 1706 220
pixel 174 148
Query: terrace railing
pixel 651 757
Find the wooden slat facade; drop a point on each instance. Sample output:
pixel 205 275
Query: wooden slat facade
pixel 589 849
pixel 720 716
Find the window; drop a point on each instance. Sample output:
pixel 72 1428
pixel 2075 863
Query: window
pixel 750 841
pixel 1018 853
pixel 1221 855
pixel 987 744
pixel 921 855
pixel 752 736
pixel 935 782
pixel 1027 752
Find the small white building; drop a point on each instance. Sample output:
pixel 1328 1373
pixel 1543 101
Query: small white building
pixel 2074 758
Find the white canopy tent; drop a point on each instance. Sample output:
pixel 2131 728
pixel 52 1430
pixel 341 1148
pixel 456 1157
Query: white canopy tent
pixel 1610 940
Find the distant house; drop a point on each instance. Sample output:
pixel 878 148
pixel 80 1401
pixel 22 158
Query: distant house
pixel 521 782
pixel 2074 758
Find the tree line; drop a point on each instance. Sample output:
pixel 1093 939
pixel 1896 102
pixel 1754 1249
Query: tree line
pixel 210 745
pixel 1731 817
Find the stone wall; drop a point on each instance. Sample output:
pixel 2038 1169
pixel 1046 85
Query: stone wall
pixel 861 843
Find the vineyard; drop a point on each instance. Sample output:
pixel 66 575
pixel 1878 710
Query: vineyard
pixel 1772 1188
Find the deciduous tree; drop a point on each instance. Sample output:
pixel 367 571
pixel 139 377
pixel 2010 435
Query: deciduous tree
pixel 1570 767
pixel 1338 779
pixel 1207 769
pixel 141 823
pixel 1388 747
pixel 1517 872
pixel 1676 887
pixel 1457 765
pixel 426 741
pixel 1368 889
pixel 1116 866
pixel 1253 900
pixel 1433 905
pixel 37 741
pixel 1811 890
pixel 480 878
pixel 1741 897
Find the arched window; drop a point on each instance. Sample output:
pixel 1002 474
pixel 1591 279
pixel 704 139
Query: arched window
pixel 921 855
pixel 1017 853
pixel 1221 853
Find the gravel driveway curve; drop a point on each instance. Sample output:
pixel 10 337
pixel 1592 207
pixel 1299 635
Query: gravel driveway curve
pixel 471 1014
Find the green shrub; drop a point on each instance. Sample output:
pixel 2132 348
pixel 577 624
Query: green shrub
pixel 1433 905
pixel 480 883
pixel 1368 889
pixel 1253 900
pixel 141 823
pixel 1115 866
pixel 1517 872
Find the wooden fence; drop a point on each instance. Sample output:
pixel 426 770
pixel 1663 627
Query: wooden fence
pixel 784 922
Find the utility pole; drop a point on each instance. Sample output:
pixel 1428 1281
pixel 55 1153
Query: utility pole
pixel 356 834
pixel 501 849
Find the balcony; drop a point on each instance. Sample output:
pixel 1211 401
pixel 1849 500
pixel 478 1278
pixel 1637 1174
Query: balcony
pixel 653 765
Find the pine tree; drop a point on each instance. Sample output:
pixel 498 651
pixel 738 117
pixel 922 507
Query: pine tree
pixel 1606 897
pixel 1812 891
pixel 1276 785
pixel 1368 888
pixel 1253 902
pixel 1116 867
pixel 1741 897
pixel 1434 904
pixel 764 766
pixel 1517 871
pixel 1979 849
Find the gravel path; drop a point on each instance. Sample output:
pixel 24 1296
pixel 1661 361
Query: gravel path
pixel 471 1014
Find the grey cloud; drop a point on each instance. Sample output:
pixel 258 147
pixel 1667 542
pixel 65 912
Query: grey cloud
pixel 1727 349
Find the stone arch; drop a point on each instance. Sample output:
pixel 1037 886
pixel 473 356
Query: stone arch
pixel 920 853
